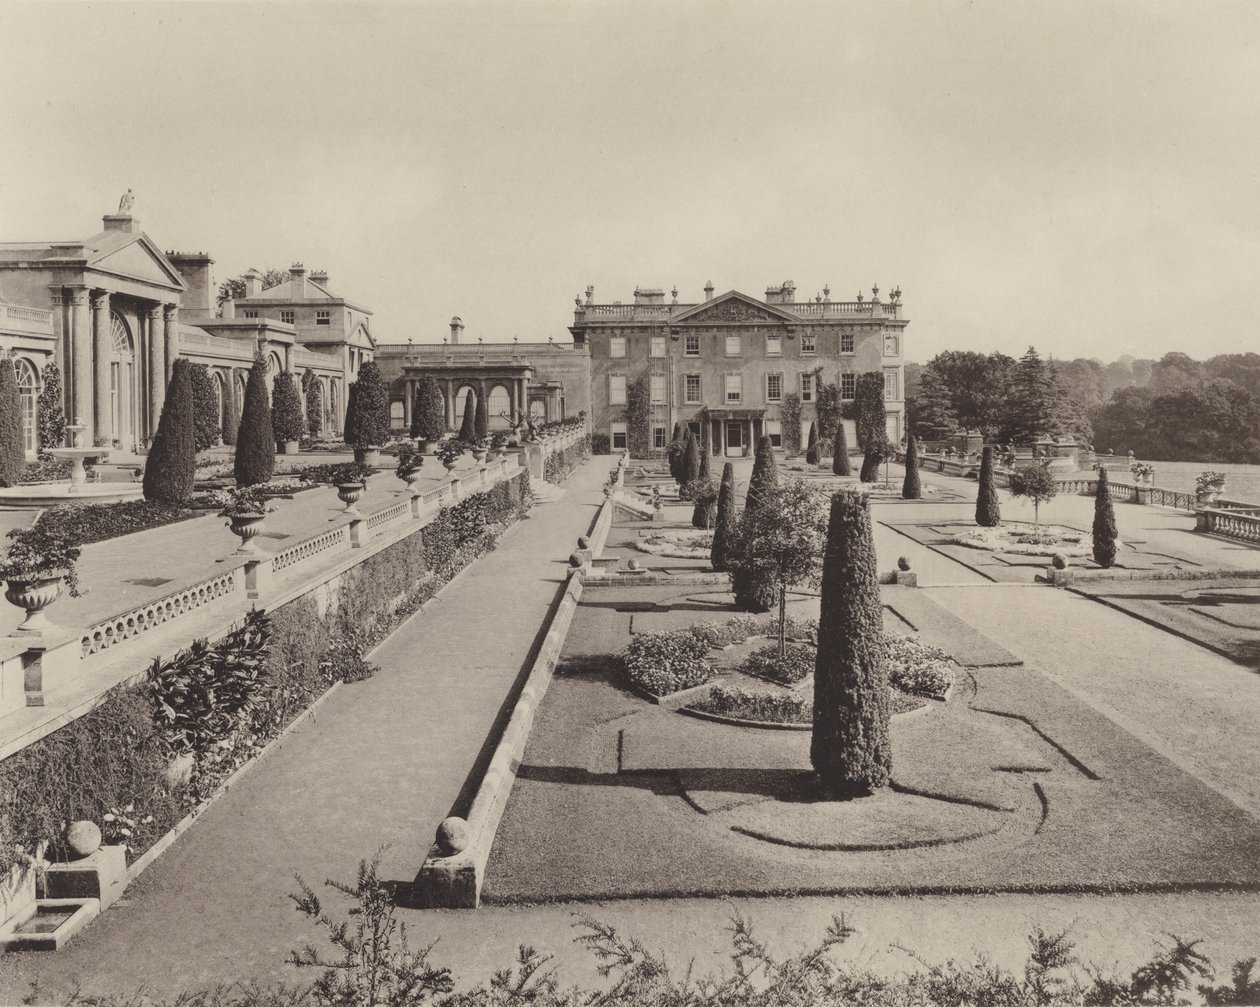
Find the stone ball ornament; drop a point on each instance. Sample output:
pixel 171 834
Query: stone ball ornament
pixel 903 563
pixel 83 838
pixel 632 565
pixel 452 836
pixel 1059 561
pixel 583 542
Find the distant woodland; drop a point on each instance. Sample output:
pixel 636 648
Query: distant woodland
pixel 1171 409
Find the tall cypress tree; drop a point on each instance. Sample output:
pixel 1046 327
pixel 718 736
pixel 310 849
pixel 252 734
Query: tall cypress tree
pixel 171 467
pixel 51 409
pixel 206 430
pixel 231 410
pixel 370 403
pixel 352 413
pixel 988 510
pixel 910 487
pixel 286 409
pixel 428 417
pixel 724 529
pixel 691 467
pixel 840 457
pixel 12 443
pixel 255 440
pixel 1104 521
pixel 811 445
pixel 482 419
pixel 313 396
pixel 468 428
pixel 850 748
pixel 765 473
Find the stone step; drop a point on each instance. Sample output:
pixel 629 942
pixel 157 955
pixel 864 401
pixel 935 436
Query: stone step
pixel 545 492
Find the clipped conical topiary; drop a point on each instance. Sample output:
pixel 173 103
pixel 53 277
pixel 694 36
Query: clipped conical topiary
pixel 910 486
pixel 1104 522
pixel 286 409
pixel 51 410
pixel 988 510
pixel 12 443
pixel 231 410
pixel 481 421
pixel 724 527
pixel 205 407
pixel 313 399
pixel 840 457
pixel 765 473
pixel 171 467
pixel 691 467
pixel 468 427
pixel 811 445
pixel 850 749
pixel 704 475
pixel 370 408
pixel 428 417
pixel 255 441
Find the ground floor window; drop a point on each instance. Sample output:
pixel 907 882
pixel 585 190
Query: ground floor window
pixel 618 431
pixel 658 437
pixel 397 414
pixel 28 391
pixel 774 430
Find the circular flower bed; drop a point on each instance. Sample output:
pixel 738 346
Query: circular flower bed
pixel 677 544
pixel 1023 539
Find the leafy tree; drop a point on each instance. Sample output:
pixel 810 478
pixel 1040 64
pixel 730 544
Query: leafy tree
pixel 1035 483
pixel 255 440
pixel 468 427
pixel 235 287
pixel 638 417
pixel 1243 369
pixel 313 396
pixel 171 467
pixel 428 416
pixel 286 409
pixel 791 413
pixel 988 510
pixel 12 442
pixel 930 412
pixel 1175 371
pixel 868 409
pixel 910 487
pixel 976 386
pixel 779 543
pixel 811 448
pixel 850 748
pixel 50 411
pixel 1104 521
pixel 371 407
pixel 840 459
pixel 206 430
pixel 725 527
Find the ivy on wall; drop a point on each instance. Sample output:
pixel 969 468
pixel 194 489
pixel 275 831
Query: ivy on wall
pixel 791 410
pixel 638 417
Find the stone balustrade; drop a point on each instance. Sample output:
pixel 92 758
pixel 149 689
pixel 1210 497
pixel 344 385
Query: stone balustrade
pixel 1237 524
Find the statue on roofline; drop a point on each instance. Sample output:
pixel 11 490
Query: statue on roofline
pixel 126 203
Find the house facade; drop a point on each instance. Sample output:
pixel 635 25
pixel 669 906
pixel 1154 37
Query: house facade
pixel 114 312
pixel 724 365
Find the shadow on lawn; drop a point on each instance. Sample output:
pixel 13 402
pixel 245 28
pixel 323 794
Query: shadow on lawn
pixel 791 786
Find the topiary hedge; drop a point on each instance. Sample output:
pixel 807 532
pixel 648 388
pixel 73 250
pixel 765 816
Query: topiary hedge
pixel 255 439
pixel 171 468
pixel 286 409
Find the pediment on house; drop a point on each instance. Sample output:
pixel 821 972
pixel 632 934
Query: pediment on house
pixel 733 307
pixel 362 337
pixel 136 259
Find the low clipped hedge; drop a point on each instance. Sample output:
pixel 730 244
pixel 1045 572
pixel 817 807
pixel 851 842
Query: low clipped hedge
pixel 88 523
pixel 661 663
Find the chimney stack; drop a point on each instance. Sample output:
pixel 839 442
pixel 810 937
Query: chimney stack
pixel 253 282
pixel 320 277
pixel 124 222
pixel 297 282
pixel 456 328
pixel 194 268
pixel 229 307
pixel 708 291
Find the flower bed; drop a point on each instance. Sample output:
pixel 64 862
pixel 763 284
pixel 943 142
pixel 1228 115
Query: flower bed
pixel 53 470
pixel 1022 539
pixel 919 668
pixel 88 523
pixel 677 544
pixel 740 628
pixel 796 664
pixel 661 663
pixel 754 706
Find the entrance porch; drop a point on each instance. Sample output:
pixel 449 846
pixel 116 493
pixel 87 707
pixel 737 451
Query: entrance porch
pixel 733 433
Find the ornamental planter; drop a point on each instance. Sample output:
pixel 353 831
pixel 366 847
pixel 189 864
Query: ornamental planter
pixel 411 478
pixel 450 465
pixel 367 456
pixel 349 494
pixel 34 596
pixel 427 447
pixel 480 455
pixel 246 527
pixel 290 448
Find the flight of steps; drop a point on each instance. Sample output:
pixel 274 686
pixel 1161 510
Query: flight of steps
pixel 545 492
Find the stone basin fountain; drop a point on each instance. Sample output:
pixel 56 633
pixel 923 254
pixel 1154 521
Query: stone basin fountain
pixel 76 454
pixel 78 489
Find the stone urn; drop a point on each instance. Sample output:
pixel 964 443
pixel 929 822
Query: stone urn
pixel 349 494
pixel 290 447
pixel 411 478
pixel 34 596
pixel 368 456
pixel 426 447
pixel 450 464
pixel 246 527
pixel 480 455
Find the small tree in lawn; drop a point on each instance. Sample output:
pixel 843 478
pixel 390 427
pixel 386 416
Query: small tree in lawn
pixel 765 473
pixel 811 445
pixel 481 422
pixel 780 543
pixel 370 401
pixel 840 459
pixel 1104 521
pixel 171 467
pixel 724 529
pixel 910 486
pixel 468 427
pixel 1035 483
pixel 850 748
pixel 314 398
pixel 691 468
pixel 428 416
pixel 988 510
pixel 206 430
pixel 286 409
pixel 12 443
pixel 51 411
pixel 255 440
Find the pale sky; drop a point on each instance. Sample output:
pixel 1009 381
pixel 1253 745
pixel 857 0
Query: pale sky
pixel 1078 175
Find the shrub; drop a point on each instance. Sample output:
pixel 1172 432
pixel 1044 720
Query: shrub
pixel 792 666
pixel 51 412
pixel 171 467
pixel 255 441
pixel 601 444
pixel 12 444
pixel 725 525
pixel 286 409
pixel 676 454
pixel 468 427
pixel 560 464
pixel 661 663
pixel 313 396
pixel 206 430
pixel 840 457
pixel 988 510
pixel 910 487
pixel 1104 522
pixel 690 468
pixel 428 415
pixel 918 668
pixel 870 464
pixel 850 748
pixel 371 408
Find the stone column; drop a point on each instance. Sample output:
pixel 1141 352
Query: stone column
pixel 450 404
pixel 171 314
pixel 102 417
pixel 408 395
pixel 81 343
pixel 157 367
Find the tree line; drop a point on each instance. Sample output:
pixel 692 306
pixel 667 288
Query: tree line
pixel 1172 409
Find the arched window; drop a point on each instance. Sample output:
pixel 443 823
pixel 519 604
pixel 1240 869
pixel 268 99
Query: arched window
pixel 461 397
pixel 219 398
pixel 28 389
pixel 274 367
pixel 334 406
pixel 499 405
pixel 124 390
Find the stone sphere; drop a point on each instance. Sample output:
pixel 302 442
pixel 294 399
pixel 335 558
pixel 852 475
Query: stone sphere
pixel 632 565
pixel 452 836
pixel 1060 561
pixel 903 563
pixel 575 560
pixel 583 542
pixel 83 838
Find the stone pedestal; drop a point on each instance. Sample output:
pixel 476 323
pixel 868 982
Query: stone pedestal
pixel 100 875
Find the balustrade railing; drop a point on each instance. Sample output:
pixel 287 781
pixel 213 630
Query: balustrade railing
pixel 1233 524
pixel 33 320
pixel 105 634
